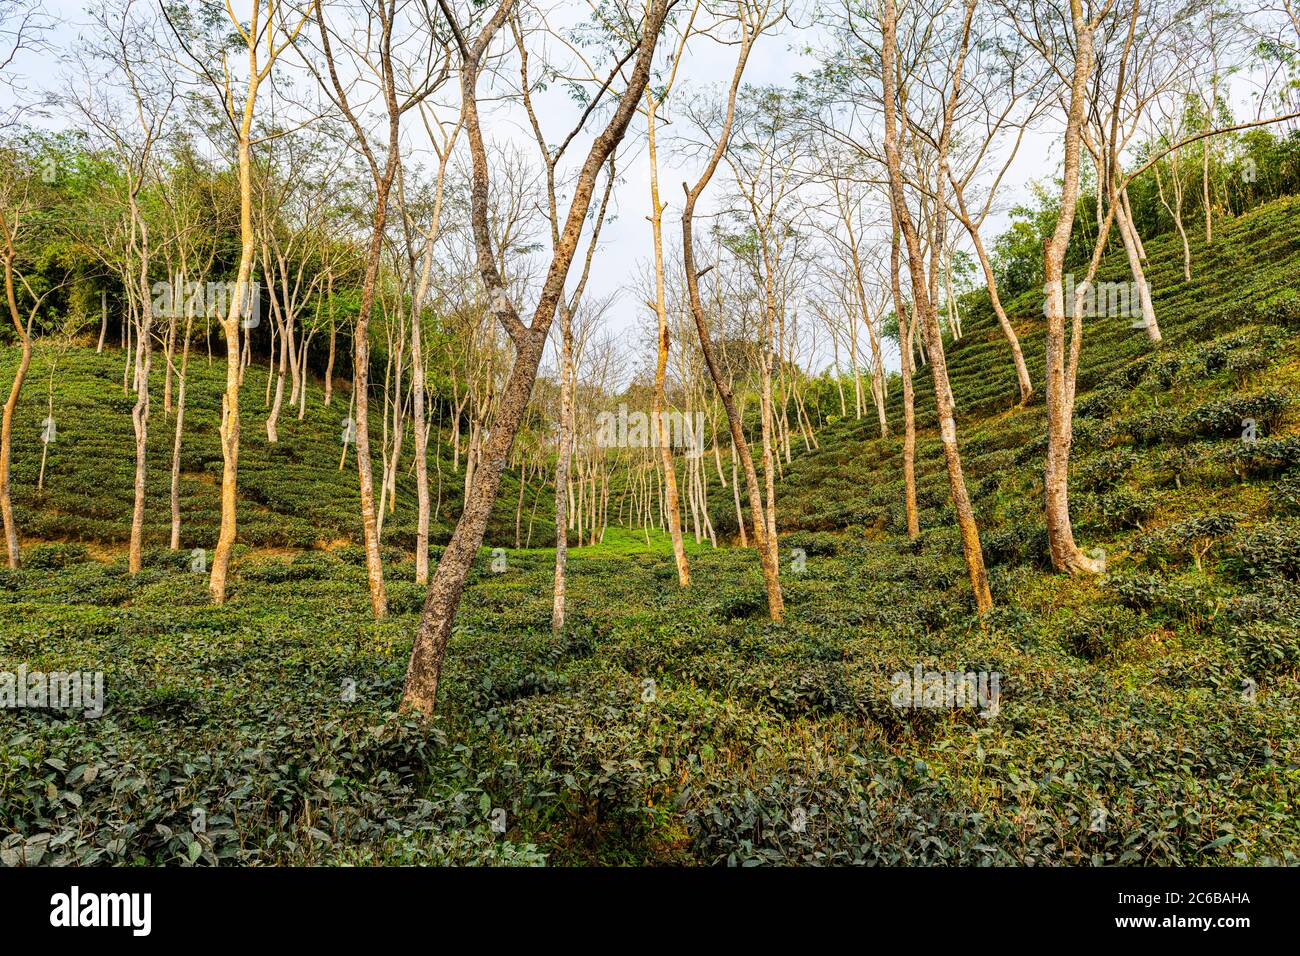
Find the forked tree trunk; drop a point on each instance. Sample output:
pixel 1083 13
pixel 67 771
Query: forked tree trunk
pixel 924 304
pixel 443 598
pixel 1066 555
pixel 763 522
pixel 661 364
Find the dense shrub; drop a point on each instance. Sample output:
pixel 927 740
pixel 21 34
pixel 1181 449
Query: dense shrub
pixel 50 556
pixel 1097 632
pixel 1267 551
pixel 1105 471
pixel 1285 495
pixel 1229 417
pixel 1191 539
pixel 1262 458
pixel 1017 543
pixel 1118 510
pixel 1154 426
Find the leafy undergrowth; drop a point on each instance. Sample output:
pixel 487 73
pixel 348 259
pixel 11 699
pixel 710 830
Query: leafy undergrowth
pixel 662 728
pixel 1145 717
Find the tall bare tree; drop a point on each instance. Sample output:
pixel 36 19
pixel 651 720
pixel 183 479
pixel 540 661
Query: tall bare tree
pixel 752 18
pixel 448 582
pixel 923 298
pixel 268 32
pixel 399 87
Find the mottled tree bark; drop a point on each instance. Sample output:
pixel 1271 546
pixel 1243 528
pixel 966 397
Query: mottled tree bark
pixel 660 403
pixel 230 324
pixel 764 532
pixel 445 589
pixel 181 381
pixel 911 511
pixel 11 403
pixel 923 301
pixel 562 454
pixel 1066 555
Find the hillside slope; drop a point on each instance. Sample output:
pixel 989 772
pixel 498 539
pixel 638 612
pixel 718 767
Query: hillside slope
pixel 292 494
pixel 1229 336
pixel 1148 716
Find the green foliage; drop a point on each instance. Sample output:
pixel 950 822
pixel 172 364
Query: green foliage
pixel 1286 494
pixel 48 557
pixel 1268 551
pixel 1191 539
pixel 1096 633
pixel 669 726
pixel 292 494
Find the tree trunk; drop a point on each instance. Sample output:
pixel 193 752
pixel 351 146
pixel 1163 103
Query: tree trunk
pixel 421 439
pixel 11 405
pixel 427 654
pixel 277 371
pixel 1205 181
pixel 562 454
pixel 661 364
pixel 176 442
pixel 764 532
pixel 428 651
pixel 361 396
pixel 1129 237
pixel 735 491
pixel 140 425
pixel 909 393
pixel 925 310
pixel 234 363
pixel 329 363
pixel 169 348
pixel 1066 555
pixel 103 321
pixel 140 411
pixel 1022 370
